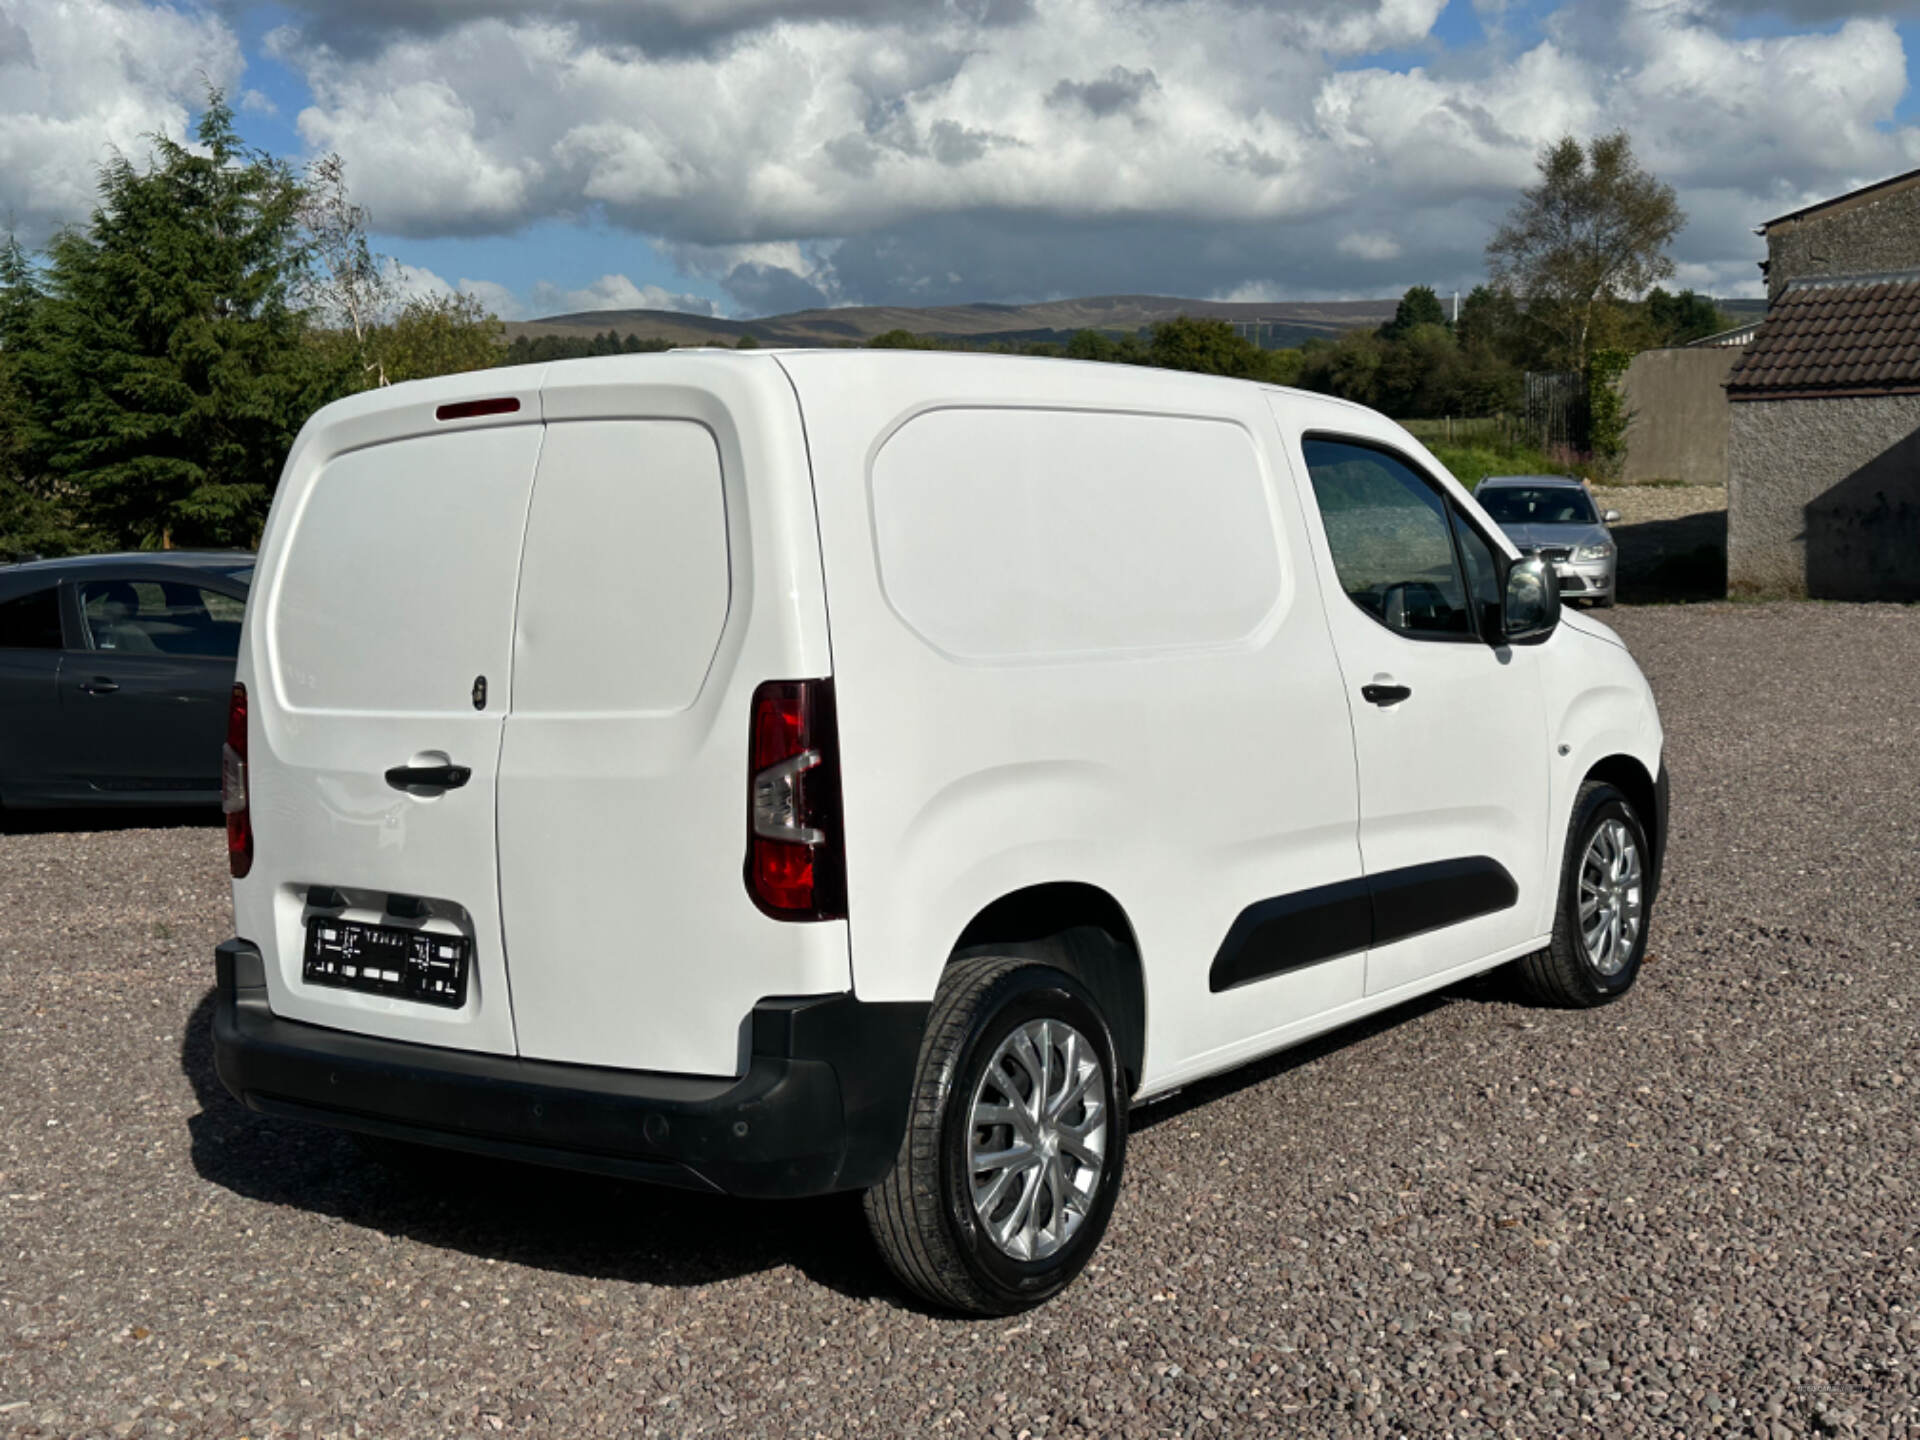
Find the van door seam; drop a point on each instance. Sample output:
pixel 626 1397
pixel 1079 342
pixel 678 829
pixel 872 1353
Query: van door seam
pixel 500 753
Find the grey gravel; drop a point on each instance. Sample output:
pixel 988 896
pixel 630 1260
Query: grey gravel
pixel 1645 504
pixel 1691 1214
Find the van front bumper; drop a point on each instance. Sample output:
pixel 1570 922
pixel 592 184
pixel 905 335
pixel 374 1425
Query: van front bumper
pixel 822 1106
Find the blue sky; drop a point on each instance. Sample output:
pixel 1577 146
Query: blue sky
pixel 747 155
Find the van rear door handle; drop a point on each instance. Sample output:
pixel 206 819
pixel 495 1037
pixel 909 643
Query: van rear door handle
pixel 428 777
pixel 1385 694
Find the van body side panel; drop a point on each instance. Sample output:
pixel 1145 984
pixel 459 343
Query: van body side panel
pixel 671 565
pixel 383 590
pixel 1076 639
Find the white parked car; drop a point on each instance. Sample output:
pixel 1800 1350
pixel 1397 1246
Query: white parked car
pixel 784 773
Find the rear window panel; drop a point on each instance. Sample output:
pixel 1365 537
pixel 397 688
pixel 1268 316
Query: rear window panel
pixel 396 591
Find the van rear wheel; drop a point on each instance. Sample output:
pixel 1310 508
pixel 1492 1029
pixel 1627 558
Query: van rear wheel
pixel 1012 1156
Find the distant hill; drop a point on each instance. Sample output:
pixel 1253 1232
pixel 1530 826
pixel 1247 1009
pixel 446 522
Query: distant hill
pixel 1280 323
pixel 1276 324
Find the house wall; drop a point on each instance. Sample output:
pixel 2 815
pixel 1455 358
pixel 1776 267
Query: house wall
pixel 1823 498
pixel 1678 415
pixel 1869 236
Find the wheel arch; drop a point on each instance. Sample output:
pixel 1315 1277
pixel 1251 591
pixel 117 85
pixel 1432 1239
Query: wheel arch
pixel 1646 794
pixel 1083 930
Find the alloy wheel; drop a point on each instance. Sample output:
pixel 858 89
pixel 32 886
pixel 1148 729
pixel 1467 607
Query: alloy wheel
pixel 1037 1139
pixel 1611 899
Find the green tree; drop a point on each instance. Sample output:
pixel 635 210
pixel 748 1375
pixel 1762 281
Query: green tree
pixel 444 335
pixel 346 287
pixel 1607 404
pixel 1209 347
pixel 36 515
pixel 1680 319
pixel 173 375
pixel 901 340
pixel 1594 231
pixel 1112 349
pixel 1349 367
pixel 1419 306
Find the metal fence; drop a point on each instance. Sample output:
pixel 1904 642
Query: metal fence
pixel 1558 417
pixel 1498 432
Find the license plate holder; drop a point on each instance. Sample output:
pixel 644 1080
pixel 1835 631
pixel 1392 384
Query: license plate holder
pixel 419 965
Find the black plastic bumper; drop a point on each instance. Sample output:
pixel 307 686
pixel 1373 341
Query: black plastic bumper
pixel 822 1106
pixel 1662 804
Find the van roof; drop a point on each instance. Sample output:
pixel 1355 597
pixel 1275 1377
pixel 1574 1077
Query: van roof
pixel 932 359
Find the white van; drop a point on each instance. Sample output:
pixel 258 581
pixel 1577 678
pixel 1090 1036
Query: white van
pixel 780 773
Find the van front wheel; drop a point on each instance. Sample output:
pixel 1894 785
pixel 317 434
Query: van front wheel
pixel 1600 926
pixel 1012 1156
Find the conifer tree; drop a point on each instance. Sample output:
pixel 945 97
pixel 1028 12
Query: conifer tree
pixel 171 351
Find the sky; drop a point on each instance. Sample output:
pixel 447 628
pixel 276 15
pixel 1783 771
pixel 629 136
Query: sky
pixel 747 157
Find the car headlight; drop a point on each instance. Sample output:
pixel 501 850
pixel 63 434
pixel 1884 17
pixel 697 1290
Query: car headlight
pixel 1601 551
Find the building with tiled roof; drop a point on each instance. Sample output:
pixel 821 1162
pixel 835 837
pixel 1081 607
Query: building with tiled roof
pixel 1823 451
pixel 1839 337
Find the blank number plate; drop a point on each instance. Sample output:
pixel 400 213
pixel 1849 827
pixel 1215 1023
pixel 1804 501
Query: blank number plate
pixel 386 960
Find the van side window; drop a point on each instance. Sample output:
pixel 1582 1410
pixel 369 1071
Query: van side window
pixel 31 622
pixel 1391 535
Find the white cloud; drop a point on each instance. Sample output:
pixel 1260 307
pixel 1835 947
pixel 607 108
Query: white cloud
pixel 1372 246
pixel 609 292
pixel 82 79
pixel 614 292
pixel 855 150
pixel 846 152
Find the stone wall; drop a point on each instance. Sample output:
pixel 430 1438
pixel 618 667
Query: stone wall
pixel 1824 498
pixel 1869 236
pixel 1677 415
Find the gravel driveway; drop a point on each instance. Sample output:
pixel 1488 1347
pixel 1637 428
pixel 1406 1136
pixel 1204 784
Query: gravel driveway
pixel 1693 1213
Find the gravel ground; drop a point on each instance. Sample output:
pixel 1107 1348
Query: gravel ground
pixel 1691 1214
pixel 1642 504
pixel 1673 540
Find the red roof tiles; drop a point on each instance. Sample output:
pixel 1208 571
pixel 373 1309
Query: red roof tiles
pixel 1858 337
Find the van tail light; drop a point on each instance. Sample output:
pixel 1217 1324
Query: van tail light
pixel 796 858
pixel 233 786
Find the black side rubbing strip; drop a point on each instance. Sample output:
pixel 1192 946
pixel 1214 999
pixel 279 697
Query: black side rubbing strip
pixel 1271 937
pixel 1431 897
pixel 1290 932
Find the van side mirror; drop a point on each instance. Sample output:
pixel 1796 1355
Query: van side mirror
pixel 1530 604
pixel 1612 517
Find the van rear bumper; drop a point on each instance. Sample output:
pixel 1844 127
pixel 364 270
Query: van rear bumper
pixel 822 1106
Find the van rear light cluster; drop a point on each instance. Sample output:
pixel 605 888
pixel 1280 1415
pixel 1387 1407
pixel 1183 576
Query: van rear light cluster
pixel 233 786
pixel 796 861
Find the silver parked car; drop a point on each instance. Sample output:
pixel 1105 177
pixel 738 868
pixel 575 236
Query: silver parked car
pixel 1554 517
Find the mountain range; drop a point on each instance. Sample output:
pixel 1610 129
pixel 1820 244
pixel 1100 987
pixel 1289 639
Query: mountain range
pixel 1274 324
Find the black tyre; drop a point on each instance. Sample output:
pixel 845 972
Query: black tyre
pixel 1600 926
pixel 1011 1161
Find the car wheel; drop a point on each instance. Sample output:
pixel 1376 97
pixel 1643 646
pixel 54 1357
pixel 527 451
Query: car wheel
pixel 1011 1161
pixel 1600 925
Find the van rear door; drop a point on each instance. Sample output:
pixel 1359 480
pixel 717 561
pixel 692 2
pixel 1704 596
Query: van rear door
pixel 671 565
pixel 382 653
